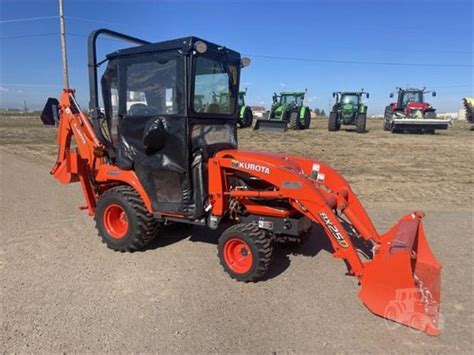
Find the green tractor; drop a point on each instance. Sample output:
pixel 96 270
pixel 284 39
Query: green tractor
pixel 348 110
pixel 245 118
pixel 288 111
pixel 245 112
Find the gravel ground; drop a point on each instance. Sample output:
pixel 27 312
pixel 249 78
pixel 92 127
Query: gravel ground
pixel 64 291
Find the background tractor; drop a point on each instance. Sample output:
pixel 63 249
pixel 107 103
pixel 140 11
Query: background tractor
pixel 348 110
pixel 172 157
pixel 469 107
pixel 245 112
pixel 287 111
pixel 245 117
pixel 412 113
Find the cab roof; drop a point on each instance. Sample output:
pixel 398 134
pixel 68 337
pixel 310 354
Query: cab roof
pixel 294 93
pixel 185 44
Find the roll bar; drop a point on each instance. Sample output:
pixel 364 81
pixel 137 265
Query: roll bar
pixel 93 65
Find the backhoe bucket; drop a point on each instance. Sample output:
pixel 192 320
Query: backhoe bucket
pixel 402 282
pixel 271 125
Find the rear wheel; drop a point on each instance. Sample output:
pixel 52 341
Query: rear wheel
pixel 361 123
pixel 245 252
pixel 294 121
pixel 247 119
pixel 123 222
pixel 306 120
pixel 333 123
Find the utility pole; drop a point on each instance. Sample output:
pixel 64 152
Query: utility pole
pixel 63 45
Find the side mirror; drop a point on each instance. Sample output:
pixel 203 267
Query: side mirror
pixel 154 136
pixel 333 94
pixel 245 62
pixel 391 94
pixel 433 93
pixel 367 94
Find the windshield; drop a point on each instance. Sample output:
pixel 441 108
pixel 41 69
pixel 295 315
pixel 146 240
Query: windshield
pixel 214 86
pixel 286 99
pixel 150 86
pixel 349 99
pixel 412 96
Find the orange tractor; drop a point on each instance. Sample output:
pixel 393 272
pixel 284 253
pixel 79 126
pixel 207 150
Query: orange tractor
pixel 162 150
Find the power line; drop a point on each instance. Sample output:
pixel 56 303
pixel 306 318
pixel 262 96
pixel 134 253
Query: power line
pixel 28 19
pixel 31 35
pixel 360 62
pixel 92 21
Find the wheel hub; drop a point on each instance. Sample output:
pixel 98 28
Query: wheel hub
pixel 238 256
pixel 115 221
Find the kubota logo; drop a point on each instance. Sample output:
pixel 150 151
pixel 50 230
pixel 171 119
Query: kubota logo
pixel 251 166
pixel 335 232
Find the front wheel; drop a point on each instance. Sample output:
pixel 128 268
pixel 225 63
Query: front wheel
pixel 387 117
pixel 361 123
pixel 122 220
pixel 245 252
pixel 305 121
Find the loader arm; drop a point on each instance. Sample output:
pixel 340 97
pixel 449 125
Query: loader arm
pixel 399 259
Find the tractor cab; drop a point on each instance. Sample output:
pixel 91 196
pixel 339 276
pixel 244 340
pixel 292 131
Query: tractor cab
pixel 411 99
pixel 289 98
pixel 169 107
pixel 241 100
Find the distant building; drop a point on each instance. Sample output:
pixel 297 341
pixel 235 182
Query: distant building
pixel 258 111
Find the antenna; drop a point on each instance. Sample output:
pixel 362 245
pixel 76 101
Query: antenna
pixel 63 44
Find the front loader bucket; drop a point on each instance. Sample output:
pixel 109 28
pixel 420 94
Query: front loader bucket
pixel 402 282
pixel 271 125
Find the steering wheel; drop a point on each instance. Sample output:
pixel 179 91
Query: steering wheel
pixel 140 110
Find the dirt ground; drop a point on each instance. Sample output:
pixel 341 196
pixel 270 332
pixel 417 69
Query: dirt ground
pixel 64 291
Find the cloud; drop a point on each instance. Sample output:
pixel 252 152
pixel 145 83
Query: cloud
pixel 3 89
pixel 282 85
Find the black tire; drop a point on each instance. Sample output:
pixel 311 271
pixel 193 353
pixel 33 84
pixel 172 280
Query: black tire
pixel 141 226
pixel 253 240
pixel 294 122
pixel 361 123
pixel 386 119
pixel 430 114
pixel 333 123
pixel 429 131
pixel 306 119
pixel 247 119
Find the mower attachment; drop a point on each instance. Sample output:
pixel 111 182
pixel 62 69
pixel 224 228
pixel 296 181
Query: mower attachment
pixel 402 282
pixel 271 125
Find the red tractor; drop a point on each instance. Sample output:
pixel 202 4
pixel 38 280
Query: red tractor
pixel 412 113
pixel 163 151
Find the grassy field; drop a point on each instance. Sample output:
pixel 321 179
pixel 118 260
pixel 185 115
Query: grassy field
pixel 419 170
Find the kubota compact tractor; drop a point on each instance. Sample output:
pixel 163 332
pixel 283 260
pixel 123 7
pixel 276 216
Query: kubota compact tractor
pixel 348 110
pixel 287 111
pixel 163 151
pixel 412 113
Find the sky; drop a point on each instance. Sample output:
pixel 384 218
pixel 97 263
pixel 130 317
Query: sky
pixel 322 46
